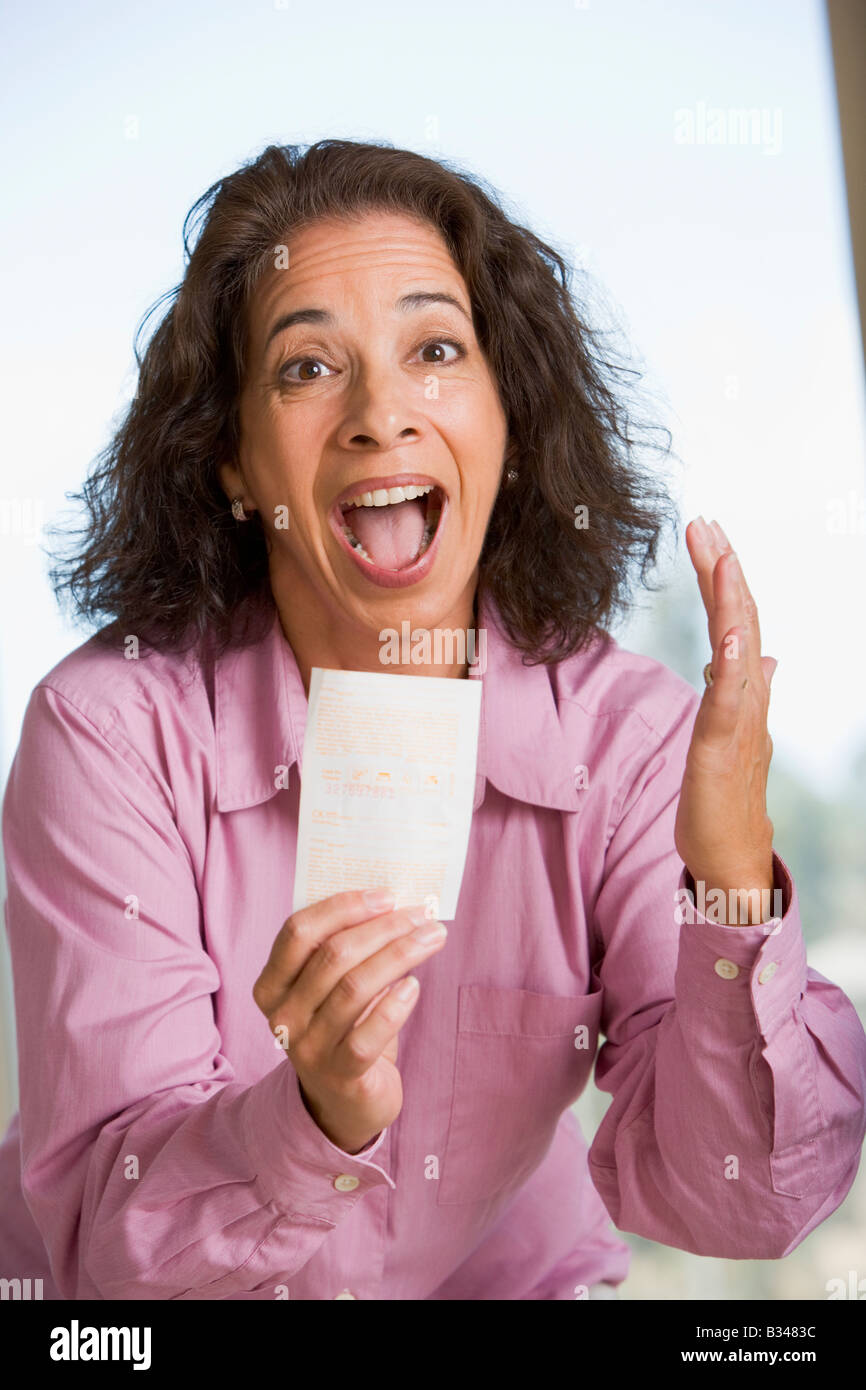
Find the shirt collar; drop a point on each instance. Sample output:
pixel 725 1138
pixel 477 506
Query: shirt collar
pixel 260 709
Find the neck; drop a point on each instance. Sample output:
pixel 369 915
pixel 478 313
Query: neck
pixel 321 637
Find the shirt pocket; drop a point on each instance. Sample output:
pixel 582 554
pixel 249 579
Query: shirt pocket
pixel 521 1059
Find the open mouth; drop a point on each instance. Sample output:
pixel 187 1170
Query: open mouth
pixel 392 528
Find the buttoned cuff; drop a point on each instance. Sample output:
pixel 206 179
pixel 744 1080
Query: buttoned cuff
pixel 757 971
pixel 297 1166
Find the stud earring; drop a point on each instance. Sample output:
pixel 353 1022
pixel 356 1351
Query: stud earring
pixel 238 509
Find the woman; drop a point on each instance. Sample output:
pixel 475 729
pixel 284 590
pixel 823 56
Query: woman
pixel 356 319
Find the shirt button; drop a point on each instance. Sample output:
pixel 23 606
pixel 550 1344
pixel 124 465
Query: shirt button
pixel 346 1183
pixel 728 969
pixel 344 1294
pixel 768 972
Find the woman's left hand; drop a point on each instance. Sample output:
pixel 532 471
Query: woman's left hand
pixel 723 833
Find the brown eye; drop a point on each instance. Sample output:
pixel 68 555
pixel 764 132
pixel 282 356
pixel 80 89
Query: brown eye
pixel 303 364
pixel 438 344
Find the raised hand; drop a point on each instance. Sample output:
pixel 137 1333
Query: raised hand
pixel 723 833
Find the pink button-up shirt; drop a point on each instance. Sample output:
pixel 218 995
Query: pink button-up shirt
pixel 163 1150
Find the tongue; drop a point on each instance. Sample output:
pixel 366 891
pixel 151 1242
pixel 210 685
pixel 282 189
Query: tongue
pixel 390 535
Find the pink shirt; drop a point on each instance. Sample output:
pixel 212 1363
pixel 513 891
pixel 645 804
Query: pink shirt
pixel 164 1151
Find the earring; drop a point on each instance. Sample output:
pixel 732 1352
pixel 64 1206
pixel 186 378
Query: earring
pixel 238 509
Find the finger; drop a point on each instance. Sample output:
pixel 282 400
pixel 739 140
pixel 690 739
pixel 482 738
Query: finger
pixel 730 610
pixel 724 698
pixel 749 605
pixel 353 991
pixel 732 601
pixel 377 1035
pixel 372 1004
pixel 708 545
pixel 345 952
pixel 300 935
pixel 703 553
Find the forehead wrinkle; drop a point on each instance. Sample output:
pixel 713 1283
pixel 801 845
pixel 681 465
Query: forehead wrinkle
pixel 327 263
pixel 356 242
pixel 270 295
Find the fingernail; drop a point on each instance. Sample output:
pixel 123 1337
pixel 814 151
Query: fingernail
pixel 418 915
pixel 406 988
pixel 379 897
pixel 720 536
pixel 433 931
pixel 703 529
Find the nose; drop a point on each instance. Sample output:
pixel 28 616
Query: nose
pixel 379 410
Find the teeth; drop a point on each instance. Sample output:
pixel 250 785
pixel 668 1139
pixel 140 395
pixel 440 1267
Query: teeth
pixel 426 538
pixel 385 497
pixel 355 543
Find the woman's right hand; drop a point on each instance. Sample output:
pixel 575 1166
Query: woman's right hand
pixel 328 992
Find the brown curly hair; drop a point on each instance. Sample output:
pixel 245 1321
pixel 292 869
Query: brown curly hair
pixel 161 555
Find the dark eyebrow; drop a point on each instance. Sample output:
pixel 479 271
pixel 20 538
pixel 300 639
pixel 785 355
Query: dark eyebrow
pixel 419 299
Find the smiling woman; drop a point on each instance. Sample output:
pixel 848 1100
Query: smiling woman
pixel 334 385
pixel 346 306
pixel 372 407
